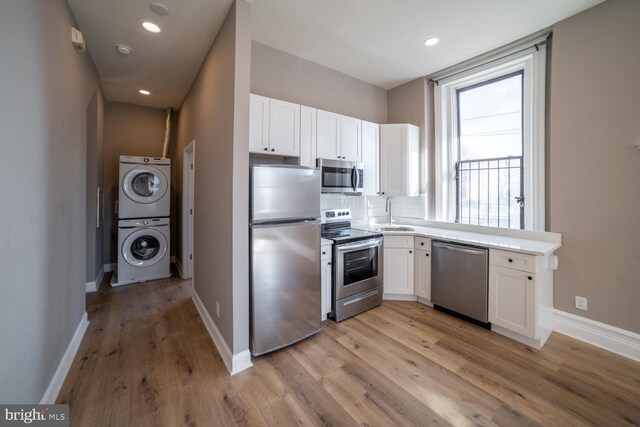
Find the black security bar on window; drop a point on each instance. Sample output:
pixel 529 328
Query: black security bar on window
pixel 490 192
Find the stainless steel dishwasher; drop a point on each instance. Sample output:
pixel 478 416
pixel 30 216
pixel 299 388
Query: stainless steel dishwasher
pixel 459 280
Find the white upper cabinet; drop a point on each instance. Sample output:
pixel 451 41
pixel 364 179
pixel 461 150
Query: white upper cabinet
pixel 399 160
pixel 259 124
pixel 338 137
pixel 328 135
pixel 284 128
pixel 274 127
pixel 350 139
pixel 308 119
pixel 371 158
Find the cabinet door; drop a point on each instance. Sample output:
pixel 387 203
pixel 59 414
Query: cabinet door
pixel 307 137
pixel 513 300
pixel 284 128
pixel 325 275
pixel 398 271
pixel 423 274
pixel 328 135
pixel 259 124
pixel 371 158
pixel 393 165
pixel 350 139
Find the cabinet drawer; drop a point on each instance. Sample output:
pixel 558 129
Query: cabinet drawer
pixel 325 252
pixel 398 242
pixel 423 244
pixel 513 260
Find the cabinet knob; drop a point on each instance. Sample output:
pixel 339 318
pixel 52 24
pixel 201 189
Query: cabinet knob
pixel 338 156
pixel 530 278
pixel 510 260
pixel 421 243
pixel 410 252
pixel 273 149
pixel 383 192
pixel 343 157
pixel 427 254
pixel 329 263
pixel 324 252
pixel 266 149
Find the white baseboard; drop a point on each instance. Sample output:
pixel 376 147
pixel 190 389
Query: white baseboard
pixel 93 286
pixel 51 393
pixel 611 338
pixel 234 362
pixel 108 268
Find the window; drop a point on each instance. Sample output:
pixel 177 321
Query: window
pixel 490 143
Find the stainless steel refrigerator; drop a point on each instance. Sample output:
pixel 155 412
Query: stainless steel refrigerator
pixel 285 256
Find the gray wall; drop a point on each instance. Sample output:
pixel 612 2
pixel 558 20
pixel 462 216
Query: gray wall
pixel 95 172
pixel 129 130
pixel 280 75
pixel 215 114
pixel 45 89
pixel 594 162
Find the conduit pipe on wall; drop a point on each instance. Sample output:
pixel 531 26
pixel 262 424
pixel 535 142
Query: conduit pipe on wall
pixel 167 134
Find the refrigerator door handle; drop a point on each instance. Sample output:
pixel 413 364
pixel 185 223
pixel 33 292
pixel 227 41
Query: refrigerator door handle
pixel 270 224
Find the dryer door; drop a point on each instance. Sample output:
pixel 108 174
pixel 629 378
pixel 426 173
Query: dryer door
pixel 144 247
pixel 144 184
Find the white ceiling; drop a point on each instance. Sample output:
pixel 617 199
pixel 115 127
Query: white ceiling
pixel 165 63
pixel 381 41
pixel 377 41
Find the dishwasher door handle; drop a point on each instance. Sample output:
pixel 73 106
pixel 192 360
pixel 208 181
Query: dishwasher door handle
pixel 459 249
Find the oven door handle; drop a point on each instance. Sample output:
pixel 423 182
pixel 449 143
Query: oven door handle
pixel 372 243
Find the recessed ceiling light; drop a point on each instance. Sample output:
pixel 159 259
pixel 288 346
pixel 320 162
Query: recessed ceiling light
pixel 144 92
pixel 150 26
pixel 431 41
pixel 123 49
pixel 159 8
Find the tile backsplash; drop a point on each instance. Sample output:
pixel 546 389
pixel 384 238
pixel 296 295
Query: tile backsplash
pixel 374 207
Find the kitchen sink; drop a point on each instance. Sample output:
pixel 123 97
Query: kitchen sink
pixel 394 228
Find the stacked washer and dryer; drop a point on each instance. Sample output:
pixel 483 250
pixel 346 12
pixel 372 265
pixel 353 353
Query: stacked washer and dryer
pixel 143 220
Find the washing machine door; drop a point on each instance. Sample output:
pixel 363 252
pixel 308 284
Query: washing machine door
pixel 144 247
pixel 145 184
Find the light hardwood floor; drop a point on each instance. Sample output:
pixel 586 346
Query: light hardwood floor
pixel 148 360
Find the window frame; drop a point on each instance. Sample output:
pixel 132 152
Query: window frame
pixel 532 61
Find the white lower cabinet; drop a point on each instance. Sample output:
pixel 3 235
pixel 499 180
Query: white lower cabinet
pixel 513 302
pixel 326 271
pixel 422 261
pixel 398 265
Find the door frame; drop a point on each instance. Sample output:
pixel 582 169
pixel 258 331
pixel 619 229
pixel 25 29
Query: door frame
pixel 188 175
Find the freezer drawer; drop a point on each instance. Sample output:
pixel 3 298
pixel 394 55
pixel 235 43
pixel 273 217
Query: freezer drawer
pixel 285 284
pixel 459 279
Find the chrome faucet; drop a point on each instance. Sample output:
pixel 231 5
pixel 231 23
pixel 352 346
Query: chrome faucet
pixel 388 211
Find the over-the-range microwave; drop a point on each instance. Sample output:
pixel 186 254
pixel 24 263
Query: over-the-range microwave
pixel 341 176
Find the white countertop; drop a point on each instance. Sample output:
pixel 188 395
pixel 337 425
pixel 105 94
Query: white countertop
pixel 529 246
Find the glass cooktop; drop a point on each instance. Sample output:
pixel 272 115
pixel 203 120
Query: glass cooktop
pixel 347 235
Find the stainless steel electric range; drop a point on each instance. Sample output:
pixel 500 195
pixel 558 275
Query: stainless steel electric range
pixel 357 265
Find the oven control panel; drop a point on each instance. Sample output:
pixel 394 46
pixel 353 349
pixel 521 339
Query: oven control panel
pixel 336 215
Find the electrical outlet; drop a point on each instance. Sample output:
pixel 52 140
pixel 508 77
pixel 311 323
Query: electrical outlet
pixel 581 303
pixel 217 310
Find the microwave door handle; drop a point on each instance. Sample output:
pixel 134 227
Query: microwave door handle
pixel 355 178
